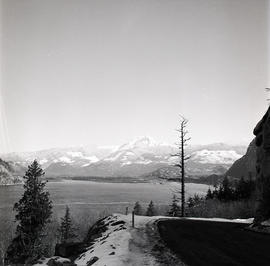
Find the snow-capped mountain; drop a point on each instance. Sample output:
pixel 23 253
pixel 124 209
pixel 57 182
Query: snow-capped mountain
pixel 135 158
pixel 8 173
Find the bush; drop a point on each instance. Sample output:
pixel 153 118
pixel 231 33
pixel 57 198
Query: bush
pixel 67 230
pixel 151 209
pixel 175 210
pixel 229 210
pixel 138 208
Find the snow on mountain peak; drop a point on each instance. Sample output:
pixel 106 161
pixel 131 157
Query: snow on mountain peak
pixel 140 155
pixel 75 153
pixel 139 142
pixel 216 157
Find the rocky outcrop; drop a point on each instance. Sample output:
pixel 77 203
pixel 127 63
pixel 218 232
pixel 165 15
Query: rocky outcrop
pixel 262 141
pixel 70 250
pixel 245 166
pixel 54 261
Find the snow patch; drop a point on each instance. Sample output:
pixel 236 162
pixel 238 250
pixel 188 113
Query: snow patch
pixel 43 161
pixel 244 221
pixel 112 247
pixel 216 157
pixel 266 223
pixel 75 154
pixel 65 159
pixel 92 159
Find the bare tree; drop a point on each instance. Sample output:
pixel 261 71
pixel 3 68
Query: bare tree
pixel 182 158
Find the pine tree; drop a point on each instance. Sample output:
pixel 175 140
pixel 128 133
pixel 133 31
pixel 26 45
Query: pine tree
pixel 34 210
pixel 225 192
pixel 215 191
pixel 66 230
pixel 138 208
pixel 174 208
pixel 209 194
pixel 151 209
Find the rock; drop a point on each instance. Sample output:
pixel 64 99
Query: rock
pixel 96 231
pixel 59 261
pixel 266 223
pixel 245 166
pixel 92 261
pixel 68 250
pixel 262 140
pixel 118 222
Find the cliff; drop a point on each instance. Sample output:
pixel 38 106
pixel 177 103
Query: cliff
pixel 245 166
pixel 262 141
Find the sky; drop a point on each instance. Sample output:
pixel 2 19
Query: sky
pixel 77 72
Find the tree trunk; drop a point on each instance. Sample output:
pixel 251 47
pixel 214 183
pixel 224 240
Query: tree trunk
pixel 183 174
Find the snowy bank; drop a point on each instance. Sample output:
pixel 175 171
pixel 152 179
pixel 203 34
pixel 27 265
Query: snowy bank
pixel 114 242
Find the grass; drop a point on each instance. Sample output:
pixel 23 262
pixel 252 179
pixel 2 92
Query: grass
pixel 208 243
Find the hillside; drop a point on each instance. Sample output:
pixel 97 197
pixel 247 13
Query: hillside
pixel 246 165
pixel 8 173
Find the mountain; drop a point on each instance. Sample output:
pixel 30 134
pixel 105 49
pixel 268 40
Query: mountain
pixel 246 165
pixel 8 173
pixel 136 158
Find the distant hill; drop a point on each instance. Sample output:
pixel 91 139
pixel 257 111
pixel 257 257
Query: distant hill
pixel 133 159
pixel 171 173
pixel 245 166
pixel 8 174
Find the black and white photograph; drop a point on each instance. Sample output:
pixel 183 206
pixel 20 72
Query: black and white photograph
pixel 135 132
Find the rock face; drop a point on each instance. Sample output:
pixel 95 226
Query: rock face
pixel 245 166
pixel 70 249
pixel 262 141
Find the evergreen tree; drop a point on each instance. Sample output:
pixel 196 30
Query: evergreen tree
pixel 138 208
pixel 209 194
pixel 34 210
pixel 225 192
pixel 215 192
pixel 174 208
pixel 190 202
pixel 66 230
pixel 151 209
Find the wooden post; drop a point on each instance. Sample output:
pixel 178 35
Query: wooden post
pixel 126 210
pixel 133 214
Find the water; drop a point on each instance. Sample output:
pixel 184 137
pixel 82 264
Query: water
pixel 86 196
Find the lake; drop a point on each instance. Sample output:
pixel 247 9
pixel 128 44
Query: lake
pixel 95 198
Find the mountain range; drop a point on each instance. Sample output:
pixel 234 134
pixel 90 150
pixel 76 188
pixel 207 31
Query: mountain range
pixel 139 157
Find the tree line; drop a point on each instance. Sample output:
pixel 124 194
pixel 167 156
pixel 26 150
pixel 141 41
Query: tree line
pixel 233 190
